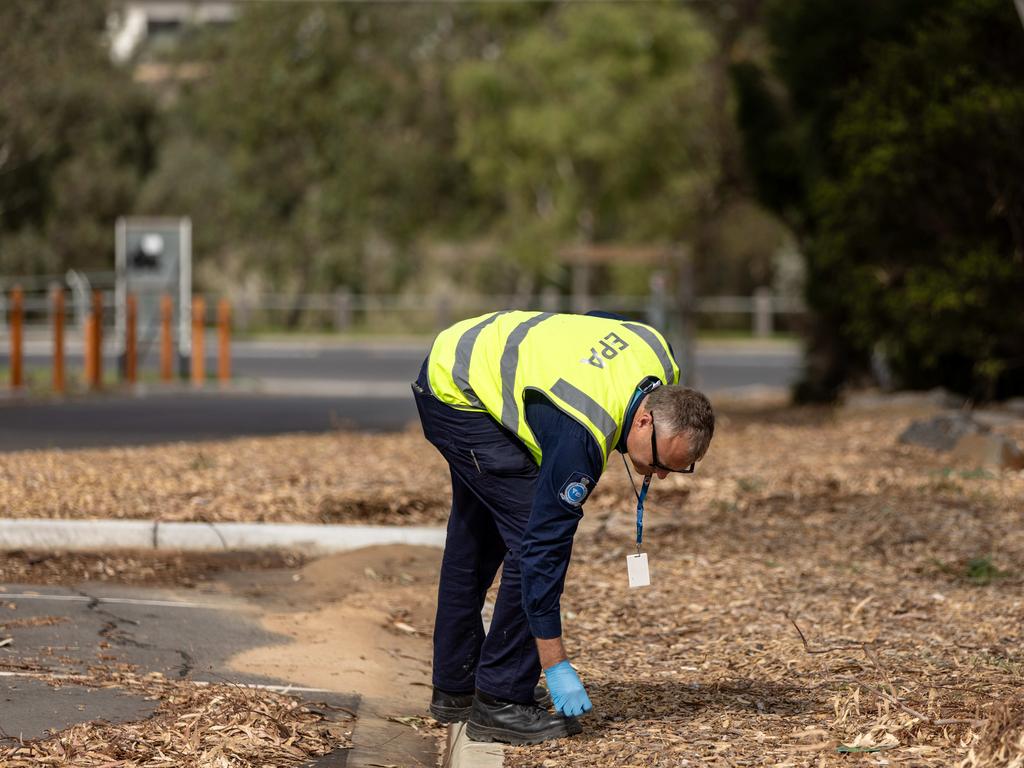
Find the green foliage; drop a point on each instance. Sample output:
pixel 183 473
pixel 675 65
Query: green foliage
pixel 911 190
pixel 334 130
pixel 592 126
pixel 981 571
pixel 76 137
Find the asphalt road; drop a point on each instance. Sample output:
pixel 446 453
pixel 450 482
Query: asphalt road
pixel 297 387
pixel 181 634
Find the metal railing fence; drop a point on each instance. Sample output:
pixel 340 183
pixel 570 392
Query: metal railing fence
pixel 345 312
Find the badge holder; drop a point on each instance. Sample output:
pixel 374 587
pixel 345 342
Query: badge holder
pixel 636 565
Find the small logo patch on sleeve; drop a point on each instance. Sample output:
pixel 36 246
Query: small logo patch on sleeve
pixel 576 489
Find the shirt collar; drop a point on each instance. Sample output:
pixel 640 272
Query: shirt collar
pixel 627 422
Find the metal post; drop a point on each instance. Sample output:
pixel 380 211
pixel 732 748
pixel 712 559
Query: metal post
pixel 656 311
pixel 444 311
pixel 17 319
pixel 89 349
pixel 57 310
pixel 198 351
pixel 763 325
pixel 130 350
pixel 80 288
pixel 224 347
pixel 581 288
pixel 686 294
pixel 342 309
pixel 97 339
pixel 549 299
pixel 166 341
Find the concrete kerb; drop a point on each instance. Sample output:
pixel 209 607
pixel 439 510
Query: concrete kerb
pixel 463 753
pixel 86 535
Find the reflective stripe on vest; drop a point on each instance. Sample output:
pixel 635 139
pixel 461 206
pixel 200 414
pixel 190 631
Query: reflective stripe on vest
pixel 593 410
pixel 647 335
pixel 464 353
pixel 509 369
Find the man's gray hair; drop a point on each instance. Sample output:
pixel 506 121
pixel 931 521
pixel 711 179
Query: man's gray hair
pixel 681 409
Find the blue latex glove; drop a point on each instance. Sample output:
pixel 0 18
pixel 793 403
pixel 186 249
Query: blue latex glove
pixel 567 692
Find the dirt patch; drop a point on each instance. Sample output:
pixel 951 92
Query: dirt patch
pixel 359 621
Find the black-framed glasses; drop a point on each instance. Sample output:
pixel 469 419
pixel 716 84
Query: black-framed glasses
pixel 654 452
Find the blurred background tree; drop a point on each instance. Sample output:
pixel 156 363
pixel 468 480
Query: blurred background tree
pixel 591 127
pixel 76 138
pixel 887 134
pixel 432 147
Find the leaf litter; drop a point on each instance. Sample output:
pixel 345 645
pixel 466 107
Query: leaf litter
pixel 195 726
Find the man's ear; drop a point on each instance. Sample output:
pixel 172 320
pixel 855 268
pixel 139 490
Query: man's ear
pixel 643 416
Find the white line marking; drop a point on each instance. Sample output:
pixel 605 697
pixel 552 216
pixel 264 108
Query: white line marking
pixel 111 600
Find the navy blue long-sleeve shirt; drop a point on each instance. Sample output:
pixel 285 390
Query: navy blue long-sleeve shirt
pixel 569 454
pixel 569 457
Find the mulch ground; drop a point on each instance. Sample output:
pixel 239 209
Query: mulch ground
pixel 822 595
pixel 333 478
pixel 194 726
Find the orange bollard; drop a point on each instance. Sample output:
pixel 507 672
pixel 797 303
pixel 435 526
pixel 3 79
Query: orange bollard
pixel 90 349
pixel 224 332
pixel 97 340
pixel 17 320
pixel 198 353
pixel 57 314
pixel 131 312
pixel 166 315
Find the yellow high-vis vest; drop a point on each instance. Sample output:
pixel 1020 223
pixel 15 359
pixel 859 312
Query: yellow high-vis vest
pixel 589 367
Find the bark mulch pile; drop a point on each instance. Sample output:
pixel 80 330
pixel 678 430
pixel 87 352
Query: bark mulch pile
pixel 208 726
pixel 821 596
pixel 334 478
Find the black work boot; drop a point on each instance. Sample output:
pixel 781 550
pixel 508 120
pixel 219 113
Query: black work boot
pixel 495 720
pixel 454 707
pixel 450 707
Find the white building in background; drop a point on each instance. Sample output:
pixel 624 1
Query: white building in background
pixel 132 22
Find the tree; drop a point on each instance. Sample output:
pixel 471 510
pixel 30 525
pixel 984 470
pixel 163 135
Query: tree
pixel 592 126
pixel 76 137
pixel 333 128
pixel 924 226
pixel 889 155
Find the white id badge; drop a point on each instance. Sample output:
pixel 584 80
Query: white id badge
pixel 639 573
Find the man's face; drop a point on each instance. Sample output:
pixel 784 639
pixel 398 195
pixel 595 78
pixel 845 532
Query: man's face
pixel 673 450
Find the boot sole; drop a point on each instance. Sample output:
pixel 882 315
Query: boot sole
pixel 490 733
pixel 450 714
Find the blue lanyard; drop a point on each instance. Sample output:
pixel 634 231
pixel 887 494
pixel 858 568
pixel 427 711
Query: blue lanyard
pixel 640 511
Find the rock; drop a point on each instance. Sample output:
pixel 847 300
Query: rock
pixel 942 433
pixel 988 450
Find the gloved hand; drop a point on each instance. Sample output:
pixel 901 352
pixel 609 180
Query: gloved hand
pixel 567 692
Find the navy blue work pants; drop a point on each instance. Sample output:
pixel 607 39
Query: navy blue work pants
pixel 493 483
